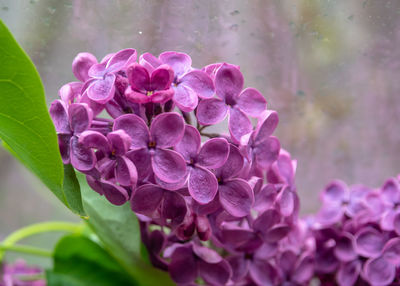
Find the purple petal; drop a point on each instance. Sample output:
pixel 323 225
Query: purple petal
pixel 387 220
pixel 173 208
pixel 102 90
pixel 267 152
pixel 263 273
pixel 215 274
pixel 142 160
pixel 206 254
pixel 285 201
pixel 304 270
pixel 228 82
pixel 121 59
pixel 330 214
pixel 169 166
pixel 146 199
pixel 369 242
pixel 233 164
pixel 287 262
pixel 115 194
pixel 391 252
pixel 161 78
pixel 179 186
pixel 214 153
pixel 82 158
pixel 138 77
pixel 200 82
pixel 211 111
pixel 276 233
pixel 162 96
pixel 396 223
pixel 239 266
pixel 236 197
pixel 167 129
pixel 180 62
pixel 267 127
pixel 80 117
pixel 239 124
pixel 378 271
pixel 97 71
pixel 190 144
pixel 70 91
pixel 203 228
pixel 58 113
pixel 63 144
pixel 81 65
pixel 95 140
pixel 135 127
pixel 391 191
pixel 348 273
pixel 125 172
pixel 344 249
pixel 96 107
pixel 149 61
pixel 203 185
pixel 265 198
pixel 135 96
pixel 95 184
pixel 334 192
pixel 185 98
pixel 252 102
pixel 265 221
pixel 183 266
pixel 120 142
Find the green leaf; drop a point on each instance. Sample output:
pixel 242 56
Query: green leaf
pixel 78 261
pixel 118 229
pixel 25 124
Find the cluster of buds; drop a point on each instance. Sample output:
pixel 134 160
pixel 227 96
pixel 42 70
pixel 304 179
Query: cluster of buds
pixel 219 209
pixel 357 235
pixel 20 274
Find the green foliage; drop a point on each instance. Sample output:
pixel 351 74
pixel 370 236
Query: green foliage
pixel 25 124
pixel 78 261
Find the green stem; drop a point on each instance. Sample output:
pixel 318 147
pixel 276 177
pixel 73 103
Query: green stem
pixel 37 228
pixel 26 249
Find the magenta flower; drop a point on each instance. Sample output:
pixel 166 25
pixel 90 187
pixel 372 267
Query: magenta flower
pixel 150 147
pixel 11 274
pixel 202 184
pixel 188 84
pixel 149 84
pixel 390 195
pixel 231 98
pixel 100 87
pixel 70 122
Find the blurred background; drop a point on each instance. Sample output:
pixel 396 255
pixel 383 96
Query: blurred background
pixel 330 68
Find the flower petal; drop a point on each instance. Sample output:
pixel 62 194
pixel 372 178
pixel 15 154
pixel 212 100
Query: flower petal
pixel 267 152
pixel 239 124
pixel 236 197
pixel 334 192
pixel 80 117
pixel 173 208
pixel 211 111
pixel 138 77
pixel 228 82
pixel 97 71
pixel 120 142
pixel 179 62
pixel 263 273
pixel 167 129
pixel 95 140
pixel 115 194
pixel 265 221
pixel 252 102
pixel 330 214
pixel 183 266
pixel 369 242
pixel 214 153
pixel 161 78
pixel 121 59
pixel 207 254
pixel 200 82
pixel 136 96
pixel 285 201
pixel 63 145
pixel 135 127
pixel 169 166
pixel 391 191
pixel 149 61
pixel 379 271
pixel 189 146
pixel 267 126
pixel 348 273
pixel 304 270
pixel 82 158
pixel 239 266
pixel 276 233
pixel 142 160
pixel 233 164
pixel 391 252
pixel 58 113
pixel 203 185
pixel 125 172
pixel 344 249
pixel 146 199
pixel 162 96
pixel 102 90
pixel 70 91
pixel 81 65
pixel 215 274
pixel 185 98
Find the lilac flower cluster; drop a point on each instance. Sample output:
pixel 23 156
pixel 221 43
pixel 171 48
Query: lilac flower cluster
pixel 219 209
pixel 357 235
pixel 20 274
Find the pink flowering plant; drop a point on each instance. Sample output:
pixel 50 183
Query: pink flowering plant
pixel 166 201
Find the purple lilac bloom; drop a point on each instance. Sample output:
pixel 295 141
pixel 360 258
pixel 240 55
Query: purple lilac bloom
pixel 13 274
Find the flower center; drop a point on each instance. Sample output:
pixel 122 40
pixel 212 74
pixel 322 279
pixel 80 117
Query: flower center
pixel 149 93
pixel 152 144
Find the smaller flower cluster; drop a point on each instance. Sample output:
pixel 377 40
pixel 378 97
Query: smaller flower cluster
pixel 20 274
pixel 221 208
pixel 357 234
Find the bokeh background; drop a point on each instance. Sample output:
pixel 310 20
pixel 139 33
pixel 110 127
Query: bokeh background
pixel 330 68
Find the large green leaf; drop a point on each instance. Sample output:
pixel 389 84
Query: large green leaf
pixel 118 229
pixel 78 261
pixel 25 124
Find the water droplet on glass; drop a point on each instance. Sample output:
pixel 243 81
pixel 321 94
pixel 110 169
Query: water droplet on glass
pixel 140 32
